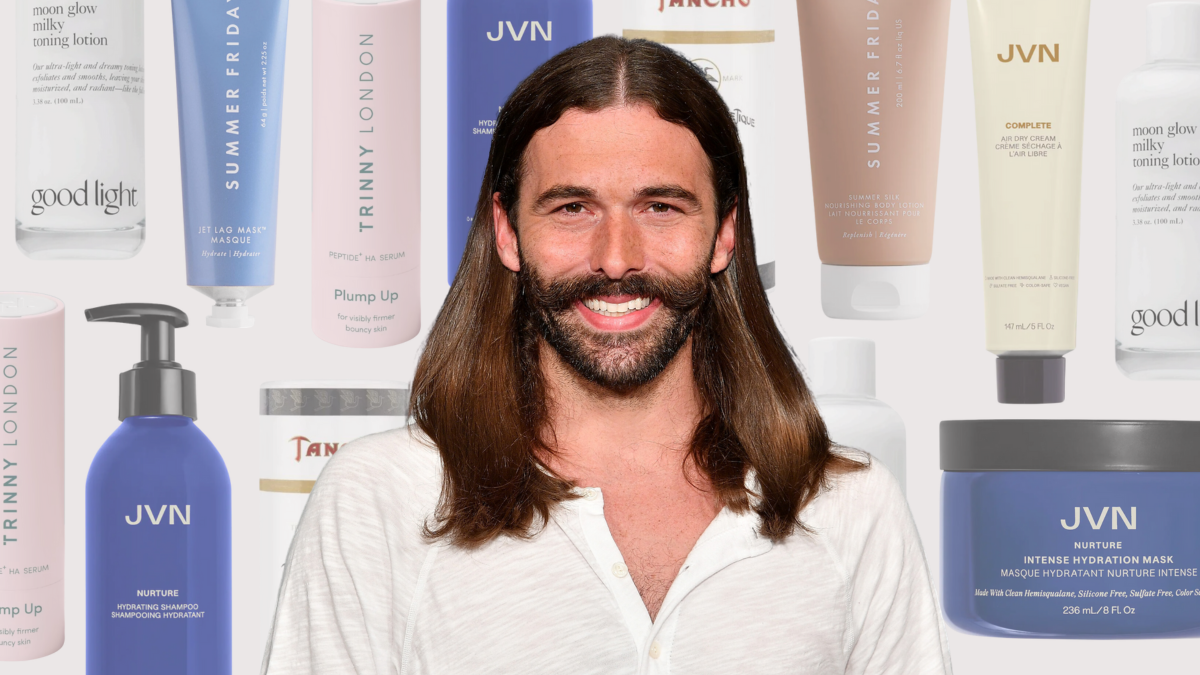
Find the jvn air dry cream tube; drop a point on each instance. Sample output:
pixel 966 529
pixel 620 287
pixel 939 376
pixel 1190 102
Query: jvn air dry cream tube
pixel 81 170
pixel 733 43
pixel 366 235
pixel 1029 58
pixel 31 476
pixel 302 425
pixel 874 74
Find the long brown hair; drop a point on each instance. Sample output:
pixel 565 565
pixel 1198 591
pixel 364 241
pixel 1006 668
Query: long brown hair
pixel 479 395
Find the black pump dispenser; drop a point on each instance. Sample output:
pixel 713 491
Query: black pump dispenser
pixel 156 385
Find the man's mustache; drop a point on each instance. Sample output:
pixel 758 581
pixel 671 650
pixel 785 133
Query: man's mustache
pixel 677 293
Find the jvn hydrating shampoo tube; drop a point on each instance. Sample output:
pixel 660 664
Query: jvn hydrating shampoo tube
pixel 733 43
pixel 80 173
pixel 366 235
pixel 492 45
pixel 1158 201
pixel 1029 59
pixel 302 424
pixel 31 476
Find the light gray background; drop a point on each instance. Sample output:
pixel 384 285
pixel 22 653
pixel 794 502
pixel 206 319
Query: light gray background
pixel 930 369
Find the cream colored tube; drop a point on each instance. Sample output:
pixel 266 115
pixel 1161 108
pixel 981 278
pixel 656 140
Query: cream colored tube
pixel 874 74
pixel 1030 58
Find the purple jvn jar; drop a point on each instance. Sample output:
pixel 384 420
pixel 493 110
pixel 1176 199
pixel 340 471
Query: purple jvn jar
pixel 1071 528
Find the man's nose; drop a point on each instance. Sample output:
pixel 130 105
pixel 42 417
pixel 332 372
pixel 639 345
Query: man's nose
pixel 617 247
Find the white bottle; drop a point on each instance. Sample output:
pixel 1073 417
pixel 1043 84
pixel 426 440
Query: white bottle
pixel 1158 201
pixel 80 170
pixel 841 372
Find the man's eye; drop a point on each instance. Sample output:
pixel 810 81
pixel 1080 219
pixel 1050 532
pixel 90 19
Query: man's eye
pixel 659 207
pixel 573 208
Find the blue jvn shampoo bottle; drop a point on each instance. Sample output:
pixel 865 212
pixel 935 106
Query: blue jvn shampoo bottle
pixel 492 45
pixel 159 561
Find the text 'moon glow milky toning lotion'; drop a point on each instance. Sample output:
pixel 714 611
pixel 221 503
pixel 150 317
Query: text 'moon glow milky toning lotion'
pixel 159 563
pixel 81 169
pixel 366 235
pixel 733 43
pixel 492 45
pixel 31 476
pixel 1158 201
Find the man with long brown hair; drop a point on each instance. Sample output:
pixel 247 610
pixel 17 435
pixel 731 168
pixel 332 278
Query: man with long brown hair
pixel 616 466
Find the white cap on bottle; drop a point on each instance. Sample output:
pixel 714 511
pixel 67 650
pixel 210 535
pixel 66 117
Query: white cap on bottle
pixel 874 292
pixel 842 366
pixel 230 316
pixel 1173 31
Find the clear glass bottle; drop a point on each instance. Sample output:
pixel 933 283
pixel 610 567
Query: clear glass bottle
pixel 1158 201
pixel 80 161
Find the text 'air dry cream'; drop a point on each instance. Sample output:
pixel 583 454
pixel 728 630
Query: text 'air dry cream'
pixel 366 252
pixel 301 427
pixel 1030 57
pixel 31 475
pixel 874 72
pixel 733 44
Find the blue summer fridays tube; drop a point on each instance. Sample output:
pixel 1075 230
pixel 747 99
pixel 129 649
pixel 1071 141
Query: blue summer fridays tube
pixel 229 57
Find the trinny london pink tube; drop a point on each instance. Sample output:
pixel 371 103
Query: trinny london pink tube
pixel 366 231
pixel 31 476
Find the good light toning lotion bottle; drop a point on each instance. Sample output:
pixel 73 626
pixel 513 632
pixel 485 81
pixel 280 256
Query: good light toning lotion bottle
pixel 733 44
pixel 80 171
pixel 159 564
pixel 366 252
pixel 1158 201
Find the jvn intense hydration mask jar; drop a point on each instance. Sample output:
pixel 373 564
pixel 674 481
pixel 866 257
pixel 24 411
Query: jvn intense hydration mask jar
pixel 1071 528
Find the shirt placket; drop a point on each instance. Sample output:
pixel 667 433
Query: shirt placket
pixel 729 538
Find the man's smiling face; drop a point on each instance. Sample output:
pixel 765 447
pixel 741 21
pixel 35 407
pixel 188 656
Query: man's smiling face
pixel 618 234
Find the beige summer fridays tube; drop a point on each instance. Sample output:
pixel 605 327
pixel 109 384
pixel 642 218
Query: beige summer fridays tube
pixel 1030 58
pixel 874 74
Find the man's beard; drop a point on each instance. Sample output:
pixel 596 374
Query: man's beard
pixel 621 362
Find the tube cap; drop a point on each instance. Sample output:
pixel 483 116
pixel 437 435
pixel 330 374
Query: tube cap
pixel 1031 379
pixel 156 385
pixel 1173 31
pixel 842 366
pixel 230 316
pixel 874 292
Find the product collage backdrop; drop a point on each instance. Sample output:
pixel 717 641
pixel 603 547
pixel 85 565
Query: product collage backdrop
pixel 929 369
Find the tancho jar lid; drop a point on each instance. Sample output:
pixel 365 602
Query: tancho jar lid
pixel 315 398
pixel 1069 445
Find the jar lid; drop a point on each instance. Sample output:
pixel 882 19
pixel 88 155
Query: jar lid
pixel 1069 445
pixel 345 399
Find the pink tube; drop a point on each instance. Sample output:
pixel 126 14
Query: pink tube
pixel 366 230
pixel 31 476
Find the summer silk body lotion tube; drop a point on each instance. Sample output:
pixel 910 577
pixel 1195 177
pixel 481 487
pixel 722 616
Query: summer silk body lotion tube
pixel 1030 58
pixel 874 74
pixel 229 66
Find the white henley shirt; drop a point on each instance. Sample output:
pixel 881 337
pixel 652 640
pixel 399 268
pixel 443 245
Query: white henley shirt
pixel 364 592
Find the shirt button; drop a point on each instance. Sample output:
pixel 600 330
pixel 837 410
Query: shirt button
pixel 619 570
pixel 590 494
pixel 655 650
